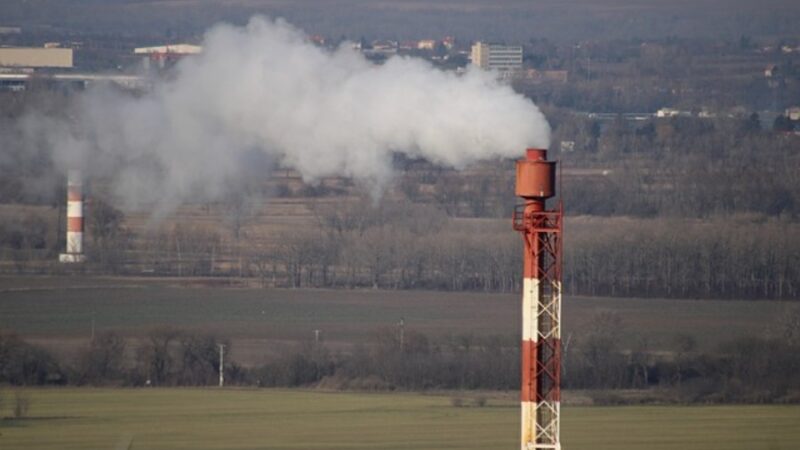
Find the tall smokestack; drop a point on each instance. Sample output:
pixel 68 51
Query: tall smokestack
pixel 74 250
pixel 541 302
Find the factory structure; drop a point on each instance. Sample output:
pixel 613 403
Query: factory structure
pixel 163 56
pixel 53 65
pixel 74 248
pixel 541 231
pixel 501 58
pixel 50 56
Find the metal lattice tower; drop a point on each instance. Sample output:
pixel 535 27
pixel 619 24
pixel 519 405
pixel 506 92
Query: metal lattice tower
pixel 541 302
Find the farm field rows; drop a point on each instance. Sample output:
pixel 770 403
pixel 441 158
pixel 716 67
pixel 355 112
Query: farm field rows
pixel 63 307
pixel 57 313
pixel 85 418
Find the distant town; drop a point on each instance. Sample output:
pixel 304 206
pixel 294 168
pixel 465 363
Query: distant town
pixel 638 79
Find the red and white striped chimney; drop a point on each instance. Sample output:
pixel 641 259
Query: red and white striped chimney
pixel 74 250
pixel 541 231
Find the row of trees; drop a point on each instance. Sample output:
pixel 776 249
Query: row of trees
pixel 403 246
pixel 723 257
pixel 165 357
pixel 715 258
pixel 745 369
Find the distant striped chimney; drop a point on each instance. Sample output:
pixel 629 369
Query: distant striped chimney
pixel 74 250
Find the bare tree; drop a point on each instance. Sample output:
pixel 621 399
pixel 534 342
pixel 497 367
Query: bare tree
pixel 22 404
pixel 109 239
pixel 296 251
pixel 156 355
pixel 196 249
pixel 377 250
pixel 263 258
pixel 103 361
pixel 197 359
pixel 685 345
pixel 791 326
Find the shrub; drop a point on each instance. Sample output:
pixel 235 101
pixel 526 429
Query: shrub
pixel 22 404
pixel 479 401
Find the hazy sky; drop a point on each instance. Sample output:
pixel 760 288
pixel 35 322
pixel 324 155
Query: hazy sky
pixel 513 20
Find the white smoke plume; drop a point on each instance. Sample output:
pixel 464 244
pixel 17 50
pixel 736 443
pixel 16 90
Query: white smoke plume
pixel 265 88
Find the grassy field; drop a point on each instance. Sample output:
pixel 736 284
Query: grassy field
pixel 57 312
pixel 270 419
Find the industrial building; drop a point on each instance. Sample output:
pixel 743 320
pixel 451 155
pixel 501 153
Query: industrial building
pixel 20 81
pixel 164 55
pixel 36 57
pixel 503 58
pixel 174 49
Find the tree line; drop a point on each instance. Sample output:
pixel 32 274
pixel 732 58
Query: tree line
pixel 407 246
pixel 745 369
pixel 715 258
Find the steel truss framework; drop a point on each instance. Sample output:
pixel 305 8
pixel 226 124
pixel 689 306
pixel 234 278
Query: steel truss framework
pixel 541 358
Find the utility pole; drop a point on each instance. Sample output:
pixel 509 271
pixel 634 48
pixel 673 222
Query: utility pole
pixel 93 315
pixel 221 365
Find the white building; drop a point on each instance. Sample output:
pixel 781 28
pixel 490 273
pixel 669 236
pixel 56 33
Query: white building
pixel 497 57
pixel 164 54
pixel 175 49
pixel 426 44
pixel 672 112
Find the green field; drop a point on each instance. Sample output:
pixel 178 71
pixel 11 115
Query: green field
pixel 274 419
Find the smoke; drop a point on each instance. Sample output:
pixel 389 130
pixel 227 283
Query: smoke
pixel 263 89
